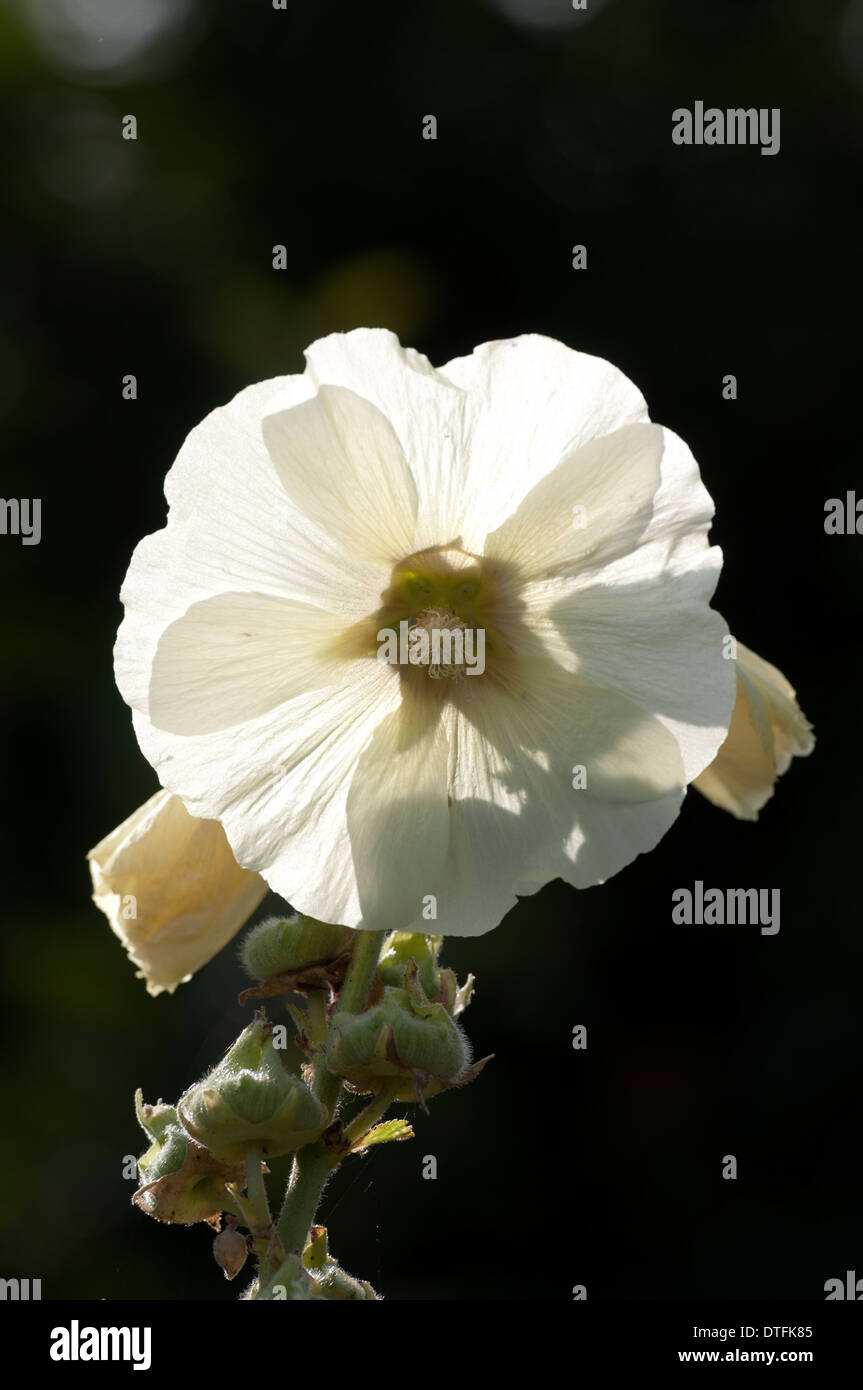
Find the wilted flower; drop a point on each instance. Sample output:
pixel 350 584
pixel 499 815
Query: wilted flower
pixel 518 500
pixel 171 889
pixel 767 730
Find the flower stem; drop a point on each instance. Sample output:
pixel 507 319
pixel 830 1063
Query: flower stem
pixel 314 1163
pixel 312 1167
pixel 374 1111
pixel 364 963
pixel 352 1000
pixel 256 1190
pixel 316 1017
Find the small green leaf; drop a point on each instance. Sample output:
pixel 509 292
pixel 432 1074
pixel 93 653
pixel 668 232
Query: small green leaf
pixel 384 1134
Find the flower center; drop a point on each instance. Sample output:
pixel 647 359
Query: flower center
pixel 442 641
pixel 447 616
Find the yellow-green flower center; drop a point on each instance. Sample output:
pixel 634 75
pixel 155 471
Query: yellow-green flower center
pixel 446 615
pixel 434 609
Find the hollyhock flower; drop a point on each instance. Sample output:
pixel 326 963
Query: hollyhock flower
pixel 521 493
pixel 767 730
pixel 171 889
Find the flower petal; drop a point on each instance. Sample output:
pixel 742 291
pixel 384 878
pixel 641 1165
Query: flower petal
pixel 639 623
pixel 279 784
pixel 340 461
pixel 424 409
pixel 595 505
pixel 515 802
pixel 530 402
pixel 171 890
pixel 236 656
pixel 232 525
pixel 398 817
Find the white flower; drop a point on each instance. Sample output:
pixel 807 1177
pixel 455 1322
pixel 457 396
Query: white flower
pixel 523 492
pixel 767 730
pixel 171 889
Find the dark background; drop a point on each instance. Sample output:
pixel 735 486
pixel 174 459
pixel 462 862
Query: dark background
pixel 303 127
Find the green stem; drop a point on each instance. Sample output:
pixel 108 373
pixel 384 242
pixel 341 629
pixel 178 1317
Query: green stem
pixel 312 1167
pixel 285 1273
pixel 364 963
pixel 256 1190
pixel 234 1203
pixel 352 1000
pixel 261 1246
pixel 316 1017
pixel 242 1207
pixel 314 1163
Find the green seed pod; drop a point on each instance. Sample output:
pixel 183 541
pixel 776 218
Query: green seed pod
pixel 403 1035
pixel 181 1182
pixel 251 1098
pixel 285 945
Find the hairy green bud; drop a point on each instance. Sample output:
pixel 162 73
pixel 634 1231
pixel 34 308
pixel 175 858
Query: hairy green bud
pixel 287 945
pixel 439 985
pixel 332 1281
pixel 403 1035
pixel 251 1098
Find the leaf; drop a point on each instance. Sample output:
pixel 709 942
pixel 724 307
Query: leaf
pixel 384 1134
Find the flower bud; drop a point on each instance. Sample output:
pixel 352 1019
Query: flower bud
pixel 168 1149
pixel 400 948
pixel 286 945
pixel 180 1181
pixel 154 1119
pixel 332 1281
pixel 767 729
pixel 403 1035
pixel 251 1098
pixel 335 1283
